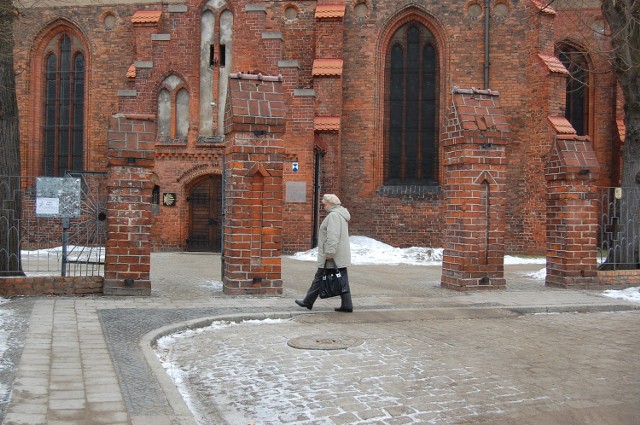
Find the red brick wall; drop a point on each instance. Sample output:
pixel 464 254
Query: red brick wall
pixel 354 163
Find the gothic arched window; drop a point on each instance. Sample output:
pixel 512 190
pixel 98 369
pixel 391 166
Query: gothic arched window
pixel 577 93
pixel 411 156
pixel 173 110
pixel 64 106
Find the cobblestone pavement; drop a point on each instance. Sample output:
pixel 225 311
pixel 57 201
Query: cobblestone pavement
pixel 88 360
pixel 435 368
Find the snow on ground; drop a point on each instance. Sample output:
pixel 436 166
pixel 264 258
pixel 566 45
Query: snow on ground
pixel 628 294
pixel 6 318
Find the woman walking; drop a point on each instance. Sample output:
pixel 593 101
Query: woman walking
pixel 333 249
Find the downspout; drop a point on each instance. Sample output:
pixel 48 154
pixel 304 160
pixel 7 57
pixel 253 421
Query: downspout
pixel 486 44
pixel 316 198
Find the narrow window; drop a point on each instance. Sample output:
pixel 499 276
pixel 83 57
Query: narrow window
pixel 164 113
pixel 411 104
pixel 182 113
pixel 223 54
pixel 173 110
pixel 64 94
pixel 577 92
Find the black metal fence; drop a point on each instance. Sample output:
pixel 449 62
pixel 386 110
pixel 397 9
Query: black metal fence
pixel 619 230
pixel 55 245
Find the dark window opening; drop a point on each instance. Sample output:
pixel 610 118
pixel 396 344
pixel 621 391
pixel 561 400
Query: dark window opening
pixel 577 93
pixel 212 56
pixel 223 55
pixel 64 93
pixel 155 195
pixel 411 104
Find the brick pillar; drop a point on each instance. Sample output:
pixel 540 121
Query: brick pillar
pixel 475 183
pixel 254 158
pixel 572 214
pixel 130 150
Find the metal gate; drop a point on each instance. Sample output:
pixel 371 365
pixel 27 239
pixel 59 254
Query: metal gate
pixel 65 246
pixel 619 235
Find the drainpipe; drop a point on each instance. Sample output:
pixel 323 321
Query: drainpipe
pixel 316 198
pixel 486 44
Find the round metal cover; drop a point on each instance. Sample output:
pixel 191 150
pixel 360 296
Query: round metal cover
pixel 324 342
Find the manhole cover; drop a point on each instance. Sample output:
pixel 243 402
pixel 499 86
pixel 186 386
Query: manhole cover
pixel 324 342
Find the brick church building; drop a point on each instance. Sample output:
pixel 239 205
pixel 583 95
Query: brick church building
pixel 350 97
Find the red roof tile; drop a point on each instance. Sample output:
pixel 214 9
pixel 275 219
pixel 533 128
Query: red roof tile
pixel 146 17
pixel 575 153
pixel 327 67
pixel 326 124
pixel 561 125
pixel 553 64
pixel 544 6
pixel 622 129
pixel 327 11
pixel 131 72
pixel 479 110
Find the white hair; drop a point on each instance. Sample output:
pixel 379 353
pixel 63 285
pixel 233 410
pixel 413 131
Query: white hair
pixel 330 198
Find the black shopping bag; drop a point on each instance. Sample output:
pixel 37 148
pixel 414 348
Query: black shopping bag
pixel 333 283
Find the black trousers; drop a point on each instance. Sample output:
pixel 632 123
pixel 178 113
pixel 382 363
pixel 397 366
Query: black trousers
pixel 314 290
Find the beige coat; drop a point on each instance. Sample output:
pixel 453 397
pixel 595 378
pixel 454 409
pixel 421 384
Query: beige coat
pixel 333 240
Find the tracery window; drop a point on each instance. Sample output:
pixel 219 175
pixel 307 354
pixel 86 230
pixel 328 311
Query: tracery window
pixel 173 109
pixel 411 156
pixel 577 93
pixel 64 97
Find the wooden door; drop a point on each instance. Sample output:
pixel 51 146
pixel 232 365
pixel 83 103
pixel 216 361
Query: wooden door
pixel 205 219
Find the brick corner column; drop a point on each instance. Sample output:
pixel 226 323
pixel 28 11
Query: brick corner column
pixel 475 187
pixel 254 161
pixel 130 159
pixel 572 222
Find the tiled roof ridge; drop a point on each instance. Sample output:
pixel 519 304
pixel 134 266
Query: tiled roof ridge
pixel 622 129
pixel 327 67
pixel 328 11
pixel 553 64
pixel 561 125
pixel 146 17
pixel 131 72
pixel 326 123
pixel 544 6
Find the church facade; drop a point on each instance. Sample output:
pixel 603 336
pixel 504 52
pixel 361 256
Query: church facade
pixel 367 86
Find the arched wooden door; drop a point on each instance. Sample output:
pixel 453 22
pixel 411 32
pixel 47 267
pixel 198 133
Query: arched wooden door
pixel 205 215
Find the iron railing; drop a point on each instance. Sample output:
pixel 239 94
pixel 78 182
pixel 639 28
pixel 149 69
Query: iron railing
pixel 619 228
pixel 62 246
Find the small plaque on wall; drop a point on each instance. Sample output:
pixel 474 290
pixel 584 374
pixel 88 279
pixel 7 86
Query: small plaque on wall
pixel 169 199
pixel 296 192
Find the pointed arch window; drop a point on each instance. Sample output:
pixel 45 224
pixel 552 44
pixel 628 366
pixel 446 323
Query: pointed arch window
pixel 411 156
pixel 173 110
pixel 577 93
pixel 64 97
